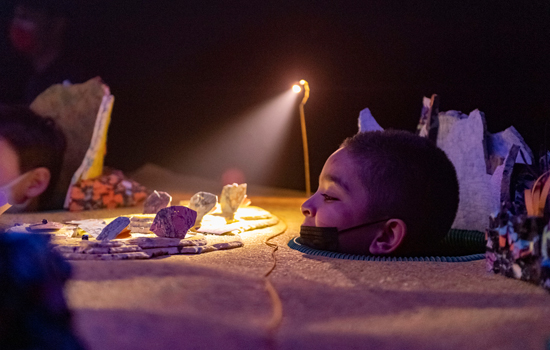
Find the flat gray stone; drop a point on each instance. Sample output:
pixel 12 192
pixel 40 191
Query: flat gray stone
pixel 114 228
pixel 162 242
pixel 118 256
pixel 153 252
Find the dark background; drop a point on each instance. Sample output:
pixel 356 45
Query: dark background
pixel 180 68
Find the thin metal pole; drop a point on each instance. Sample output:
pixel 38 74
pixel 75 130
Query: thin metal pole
pixel 304 138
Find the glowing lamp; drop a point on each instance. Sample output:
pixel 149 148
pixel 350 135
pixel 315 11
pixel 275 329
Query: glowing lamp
pixel 297 89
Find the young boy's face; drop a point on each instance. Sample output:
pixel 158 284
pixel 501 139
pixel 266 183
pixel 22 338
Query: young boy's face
pixel 341 199
pixel 12 183
pixel 9 164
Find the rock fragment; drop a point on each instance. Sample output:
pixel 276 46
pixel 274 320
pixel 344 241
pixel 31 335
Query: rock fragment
pixel 174 221
pixel 231 198
pixel 114 228
pixel 141 223
pixel 156 201
pixel 203 203
pixel 162 242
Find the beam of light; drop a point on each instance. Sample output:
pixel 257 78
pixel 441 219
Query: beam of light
pixel 247 147
pixel 296 88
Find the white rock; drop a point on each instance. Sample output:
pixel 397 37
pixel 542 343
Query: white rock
pixel 367 121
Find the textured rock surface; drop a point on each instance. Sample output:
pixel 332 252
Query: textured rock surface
pixel 156 201
pixel 162 242
pixel 152 252
pixel 46 226
pixel 482 162
pixel 75 109
pixel 93 227
pixel 462 139
pixel 114 228
pixel 141 223
pixel 499 145
pixel 173 221
pixel 231 198
pixel 367 121
pixel 203 203
pixel 117 256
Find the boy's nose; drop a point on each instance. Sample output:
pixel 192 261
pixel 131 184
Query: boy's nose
pixel 308 209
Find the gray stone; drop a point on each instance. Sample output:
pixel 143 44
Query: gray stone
pixel 464 145
pixel 152 252
pixel 156 201
pixel 203 203
pixel 231 198
pixel 113 229
pixel 108 244
pixel 125 249
pixel 500 144
pixel 367 121
pixel 141 223
pixel 46 226
pixel 162 242
pixel 228 245
pixel 197 250
pixel 94 250
pixel 117 256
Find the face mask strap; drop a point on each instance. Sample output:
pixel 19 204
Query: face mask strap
pixel 363 225
pixel 6 189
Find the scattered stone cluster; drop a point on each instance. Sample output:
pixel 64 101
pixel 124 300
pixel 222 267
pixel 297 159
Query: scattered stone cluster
pixel 517 247
pixel 109 191
pixel 140 248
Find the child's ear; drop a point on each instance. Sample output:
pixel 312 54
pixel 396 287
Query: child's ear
pixel 389 238
pixel 37 182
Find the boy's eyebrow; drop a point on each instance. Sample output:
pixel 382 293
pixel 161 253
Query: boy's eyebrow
pixel 339 181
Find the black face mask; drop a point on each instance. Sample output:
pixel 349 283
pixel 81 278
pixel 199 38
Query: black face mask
pixel 326 238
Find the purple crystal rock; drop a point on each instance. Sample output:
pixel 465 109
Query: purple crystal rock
pixel 174 221
pixel 156 201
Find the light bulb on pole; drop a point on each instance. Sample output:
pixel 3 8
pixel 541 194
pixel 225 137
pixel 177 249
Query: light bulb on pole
pixel 297 88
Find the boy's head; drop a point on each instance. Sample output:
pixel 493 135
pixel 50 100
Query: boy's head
pixel 399 188
pixel 31 156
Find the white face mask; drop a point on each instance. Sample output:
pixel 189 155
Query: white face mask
pixel 6 195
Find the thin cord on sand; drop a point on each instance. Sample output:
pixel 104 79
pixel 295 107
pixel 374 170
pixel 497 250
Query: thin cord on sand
pixel 277 306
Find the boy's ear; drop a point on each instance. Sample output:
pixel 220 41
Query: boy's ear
pixel 37 182
pixel 389 238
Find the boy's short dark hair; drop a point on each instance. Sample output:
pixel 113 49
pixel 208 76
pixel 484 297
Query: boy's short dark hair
pixel 38 143
pixel 409 178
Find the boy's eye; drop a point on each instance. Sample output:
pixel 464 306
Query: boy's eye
pixel 329 198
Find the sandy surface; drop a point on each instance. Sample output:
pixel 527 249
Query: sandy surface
pixel 219 300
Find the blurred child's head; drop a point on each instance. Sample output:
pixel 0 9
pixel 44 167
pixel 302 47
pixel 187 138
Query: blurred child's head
pixel 31 156
pixel 400 189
